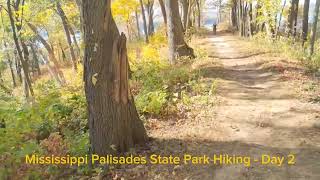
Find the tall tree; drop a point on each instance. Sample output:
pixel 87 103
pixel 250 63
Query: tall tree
pixel 26 74
pixel 138 24
pixel 233 14
pixel 113 119
pixel 74 38
pixel 189 13
pixel 293 17
pixel 19 50
pixel 163 10
pixel 185 13
pixel 198 3
pixel 35 59
pixel 150 11
pixel 280 18
pixel 145 27
pixel 314 27
pixel 177 45
pixel 305 24
pixel 57 70
pixel 14 82
pixel 67 33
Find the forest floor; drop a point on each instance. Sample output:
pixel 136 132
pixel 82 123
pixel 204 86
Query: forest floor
pixel 260 107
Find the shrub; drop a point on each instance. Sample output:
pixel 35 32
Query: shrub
pixel 151 102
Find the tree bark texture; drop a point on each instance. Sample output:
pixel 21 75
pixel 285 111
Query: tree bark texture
pixel 177 45
pixel 113 119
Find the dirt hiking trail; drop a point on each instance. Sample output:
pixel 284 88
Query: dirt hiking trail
pixel 254 112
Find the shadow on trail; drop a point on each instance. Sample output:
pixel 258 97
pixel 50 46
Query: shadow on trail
pixel 241 57
pixel 250 81
pixel 248 74
pixel 304 168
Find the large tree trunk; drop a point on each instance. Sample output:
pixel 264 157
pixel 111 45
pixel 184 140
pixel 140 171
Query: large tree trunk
pixel 16 41
pixel 177 46
pixel 314 27
pixel 58 73
pixel 305 25
pixel 163 10
pixel 67 32
pixel 113 119
pixel 145 27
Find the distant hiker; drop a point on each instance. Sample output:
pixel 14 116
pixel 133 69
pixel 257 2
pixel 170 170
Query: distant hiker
pixel 214 28
pixel 2 124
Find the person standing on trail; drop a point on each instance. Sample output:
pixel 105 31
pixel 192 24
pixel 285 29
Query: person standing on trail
pixel 214 28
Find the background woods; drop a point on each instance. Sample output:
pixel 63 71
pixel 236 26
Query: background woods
pixel 81 77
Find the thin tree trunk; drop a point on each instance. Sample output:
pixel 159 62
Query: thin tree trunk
pixel 14 82
pixel 188 24
pixel 16 41
pixel 145 27
pixel 250 19
pixel 61 53
pixel 305 25
pixel 35 58
pixel 138 25
pixel 18 66
pixel 59 74
pixel 199 12
pixel 74 38
pixel 293 15
pixel 314 27
pixel 296 19
pixel 241 23
pixel 163 10
pixel 234 19
pixel 46 63
pixel 150 17
pixel 5 89
pixel 26 74
pixel 185 8
pixel 67 32
pixel 280 18
pixel 114 124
